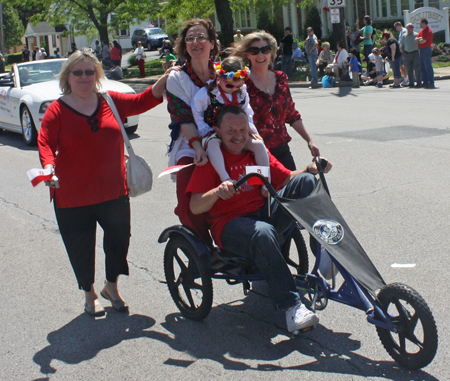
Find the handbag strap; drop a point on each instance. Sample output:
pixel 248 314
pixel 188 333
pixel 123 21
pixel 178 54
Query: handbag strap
pixel 113 108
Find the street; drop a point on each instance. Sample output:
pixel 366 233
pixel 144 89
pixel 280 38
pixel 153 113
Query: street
pixel 390 180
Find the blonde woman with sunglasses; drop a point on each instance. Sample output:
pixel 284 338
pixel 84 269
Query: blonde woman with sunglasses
pixel 270 97
pixel 81 141
pixel 228 88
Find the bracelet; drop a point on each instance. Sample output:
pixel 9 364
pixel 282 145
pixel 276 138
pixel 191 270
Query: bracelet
pixel 192 140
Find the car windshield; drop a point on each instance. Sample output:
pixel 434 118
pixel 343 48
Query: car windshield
pixel 155 31
pixel 39 71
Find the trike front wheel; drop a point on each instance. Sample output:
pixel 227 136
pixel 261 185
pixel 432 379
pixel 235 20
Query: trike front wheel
pixel 415 344
pixel 188 278
pixel 295 247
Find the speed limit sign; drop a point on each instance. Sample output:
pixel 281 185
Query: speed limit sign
pixel 336 3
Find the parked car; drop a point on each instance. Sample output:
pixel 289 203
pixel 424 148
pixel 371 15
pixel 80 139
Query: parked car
pixel 28 90
pixel 151 38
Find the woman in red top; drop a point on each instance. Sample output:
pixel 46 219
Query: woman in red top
pixel 270 97
pixel 82 141
pixel 115 53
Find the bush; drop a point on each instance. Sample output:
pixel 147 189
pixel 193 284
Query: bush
pixel 313 20
pixel 301 44
pixel 13 58
pixel 268 24
pixel 153 64
pixel 442 59
pixel 132 61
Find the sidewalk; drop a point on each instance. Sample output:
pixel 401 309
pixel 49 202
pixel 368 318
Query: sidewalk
pixel 439 74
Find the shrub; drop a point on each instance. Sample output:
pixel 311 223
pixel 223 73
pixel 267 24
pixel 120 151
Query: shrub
pixel 442 59
pixel 313 20
pixel 132 61
pixel 13 58
pixel 153 64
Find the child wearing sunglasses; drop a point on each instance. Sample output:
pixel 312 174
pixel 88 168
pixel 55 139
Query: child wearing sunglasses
pixel 227 88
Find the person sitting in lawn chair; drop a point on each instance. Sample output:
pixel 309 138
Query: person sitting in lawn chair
pixel 239 219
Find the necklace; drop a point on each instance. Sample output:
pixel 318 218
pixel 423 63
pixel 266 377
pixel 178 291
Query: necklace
pixel 195 78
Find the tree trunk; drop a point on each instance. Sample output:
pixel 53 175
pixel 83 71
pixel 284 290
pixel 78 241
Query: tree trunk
pixel 101 24
pixel 225 17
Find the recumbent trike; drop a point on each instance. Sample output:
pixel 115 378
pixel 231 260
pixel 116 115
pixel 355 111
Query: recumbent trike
pixel 403 320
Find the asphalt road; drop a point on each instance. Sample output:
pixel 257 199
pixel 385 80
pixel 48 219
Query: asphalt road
pixel 390 180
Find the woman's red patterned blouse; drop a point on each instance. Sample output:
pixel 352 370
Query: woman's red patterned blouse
pixel 273 111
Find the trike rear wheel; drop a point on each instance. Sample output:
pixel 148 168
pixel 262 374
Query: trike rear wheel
pixel 295 252
pixel 188 278
pixel 415 344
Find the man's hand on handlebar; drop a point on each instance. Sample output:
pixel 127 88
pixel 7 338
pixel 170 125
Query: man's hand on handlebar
pixel 312 168
pixel 226 190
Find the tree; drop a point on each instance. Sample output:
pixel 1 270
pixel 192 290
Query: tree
pixel 14 32
pixel 176 10
pixel 313 20
pixel 86 15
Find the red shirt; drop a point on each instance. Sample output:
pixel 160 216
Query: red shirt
pixel 115 54
pixel 426 34
pixel 90 165
pixel 249 199
pixel 272 112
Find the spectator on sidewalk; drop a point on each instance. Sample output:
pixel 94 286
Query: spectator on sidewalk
pixel 140 55
pixel 425 39
pixel 354 67
pixel 401 33
pixel 410 51
pixel 325 58
pixel 115 72
pixel 38 54
pixel 115 54
pixel 238 36
pixel 355 41
pixel 169 61
pixel 25 55
pixel 367 32
pixel 393 54
pixel 378 67
pixel 311 52
pixel 340 61
pixel 97 49
pixel 286 43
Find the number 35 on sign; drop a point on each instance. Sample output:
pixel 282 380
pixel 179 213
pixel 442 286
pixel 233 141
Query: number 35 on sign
pixel 336 3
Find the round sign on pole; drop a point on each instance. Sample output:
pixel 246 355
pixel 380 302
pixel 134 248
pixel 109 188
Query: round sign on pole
pixel 336 4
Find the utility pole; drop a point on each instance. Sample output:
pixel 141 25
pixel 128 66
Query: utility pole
pixel 337 13
pixel 2 41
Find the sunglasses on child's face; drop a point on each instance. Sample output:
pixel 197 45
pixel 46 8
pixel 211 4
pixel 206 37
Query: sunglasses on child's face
pixel 254 50
pixel 231 86
pixel 79 73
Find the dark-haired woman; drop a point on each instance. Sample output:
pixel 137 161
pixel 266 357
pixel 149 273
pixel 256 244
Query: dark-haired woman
pixel 270 97
pixel 197 44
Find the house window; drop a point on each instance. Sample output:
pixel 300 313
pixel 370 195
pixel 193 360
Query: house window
pixel 405 5
pixel 394 8
pixel 242 18
pixel 433 3
pixel 418 4
pixel 124 32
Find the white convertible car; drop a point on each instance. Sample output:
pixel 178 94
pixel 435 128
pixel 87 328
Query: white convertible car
pixel 25 95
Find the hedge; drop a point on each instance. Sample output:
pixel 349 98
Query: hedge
pixel 13 58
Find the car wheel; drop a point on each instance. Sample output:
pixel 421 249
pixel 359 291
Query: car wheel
pixel 131 130
pixel 29 131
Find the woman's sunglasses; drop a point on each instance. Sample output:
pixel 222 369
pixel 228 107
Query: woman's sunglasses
pixel 254 51
pixel 79 73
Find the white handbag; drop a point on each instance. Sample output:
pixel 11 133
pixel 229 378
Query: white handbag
pixel 139 173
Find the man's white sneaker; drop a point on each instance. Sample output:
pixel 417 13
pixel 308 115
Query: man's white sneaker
pixel 299 317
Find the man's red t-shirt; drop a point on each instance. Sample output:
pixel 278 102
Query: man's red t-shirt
pixel 426 34
pixel 249 199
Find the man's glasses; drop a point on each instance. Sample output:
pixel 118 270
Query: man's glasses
pixel 79 73
pixel 254 51
pixel 92 121
pixel 191 39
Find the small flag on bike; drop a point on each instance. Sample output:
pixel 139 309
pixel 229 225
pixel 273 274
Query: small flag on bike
pixel 262 170
pixel 37 175
pixel 173 169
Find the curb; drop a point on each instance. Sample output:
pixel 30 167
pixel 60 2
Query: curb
pixel 296 84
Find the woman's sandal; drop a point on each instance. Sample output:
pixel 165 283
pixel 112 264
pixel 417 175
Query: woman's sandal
pixel 95 310
pixel 119 305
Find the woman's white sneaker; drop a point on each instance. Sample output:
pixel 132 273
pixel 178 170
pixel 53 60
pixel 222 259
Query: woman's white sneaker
pixel 299 317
